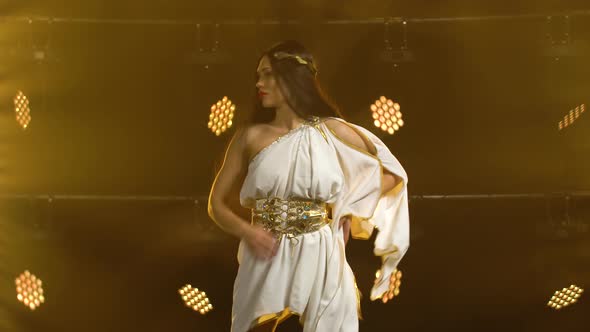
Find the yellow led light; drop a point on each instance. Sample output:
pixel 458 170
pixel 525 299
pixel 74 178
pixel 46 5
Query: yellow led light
pixel 220 118
pixel 195 299
pixel 385 114
pixel 564 298
pixel 22 110
pixel 571 117
pixel 29 291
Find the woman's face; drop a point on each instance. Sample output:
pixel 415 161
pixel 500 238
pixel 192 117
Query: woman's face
pixel 267 85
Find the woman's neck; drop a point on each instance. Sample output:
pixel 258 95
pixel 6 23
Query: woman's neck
pixel 287 118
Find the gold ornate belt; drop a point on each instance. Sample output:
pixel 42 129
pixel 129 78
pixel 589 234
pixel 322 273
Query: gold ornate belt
pixel 290 217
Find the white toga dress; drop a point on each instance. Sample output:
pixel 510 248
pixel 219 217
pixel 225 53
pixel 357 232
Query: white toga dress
pixel 311 277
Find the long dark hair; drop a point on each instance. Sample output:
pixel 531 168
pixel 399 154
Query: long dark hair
pixel 295 71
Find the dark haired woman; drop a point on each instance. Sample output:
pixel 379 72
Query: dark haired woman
pixel 310 179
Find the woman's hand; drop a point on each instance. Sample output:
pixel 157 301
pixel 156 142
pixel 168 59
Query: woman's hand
pixel 345 225
pixel 261 241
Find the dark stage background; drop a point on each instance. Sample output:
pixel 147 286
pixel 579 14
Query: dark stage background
pixel 120 113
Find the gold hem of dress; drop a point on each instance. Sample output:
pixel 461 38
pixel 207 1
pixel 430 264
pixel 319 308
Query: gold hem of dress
pixel 280 317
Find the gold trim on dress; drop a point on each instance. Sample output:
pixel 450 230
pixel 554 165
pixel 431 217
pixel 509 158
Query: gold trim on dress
pixel 280 317
pixel 359 296
pixel 316 123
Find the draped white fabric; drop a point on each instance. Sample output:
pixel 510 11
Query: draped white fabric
pixel 311 276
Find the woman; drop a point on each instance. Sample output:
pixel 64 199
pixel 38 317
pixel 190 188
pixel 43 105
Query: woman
pixel 298 167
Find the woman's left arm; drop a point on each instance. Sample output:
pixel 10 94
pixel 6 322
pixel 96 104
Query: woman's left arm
pixel 390 216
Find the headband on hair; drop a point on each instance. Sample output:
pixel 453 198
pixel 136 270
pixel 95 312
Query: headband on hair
pixel 285 55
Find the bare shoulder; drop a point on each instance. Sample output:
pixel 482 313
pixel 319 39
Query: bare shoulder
pixel 254 129
pixel 340 127
pixel 255 137
pixel 240 145
pixel 253 133
pixel 350 135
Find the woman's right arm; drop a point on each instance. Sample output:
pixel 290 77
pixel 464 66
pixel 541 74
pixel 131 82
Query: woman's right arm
pixel 223 190
pixel 224 197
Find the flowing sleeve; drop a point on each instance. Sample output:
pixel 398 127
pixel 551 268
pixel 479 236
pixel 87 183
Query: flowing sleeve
pixel 363 200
